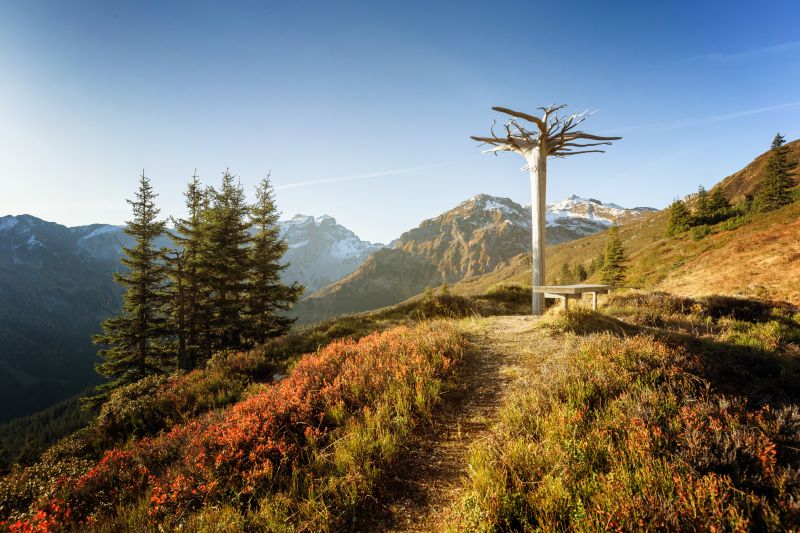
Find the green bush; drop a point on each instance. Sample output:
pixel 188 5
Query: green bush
pixel 734 223
pixel 700 232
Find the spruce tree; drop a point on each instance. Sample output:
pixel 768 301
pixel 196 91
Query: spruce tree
pixel 702 212
pixel 134 339
pixel 187 303
pixel 679 218
pixel 580 274
pixel 613 271
pixel 268 297
pixel 718 204
pixel 226 264
pixel 565 277
pixel 775 189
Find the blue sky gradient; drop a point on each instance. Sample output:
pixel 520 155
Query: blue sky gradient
pixel 384 93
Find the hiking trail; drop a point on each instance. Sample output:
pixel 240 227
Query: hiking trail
pixel 429 479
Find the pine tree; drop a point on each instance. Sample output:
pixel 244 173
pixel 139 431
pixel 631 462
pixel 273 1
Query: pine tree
pixel 268 298
pixel 718 204
pixel 226 264
pixel 134 339
pixel 775 189
pixel 679 218
pixel 580 273
pixel 565 277
pixel 187 304
pixel 613 271
pixel 702 212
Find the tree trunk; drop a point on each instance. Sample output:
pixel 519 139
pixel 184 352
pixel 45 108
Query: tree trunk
pixel 538 173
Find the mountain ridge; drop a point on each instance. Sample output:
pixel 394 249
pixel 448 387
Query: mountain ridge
pixel 473 238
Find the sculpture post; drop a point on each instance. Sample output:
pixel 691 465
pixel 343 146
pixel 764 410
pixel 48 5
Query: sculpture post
pixel 554 136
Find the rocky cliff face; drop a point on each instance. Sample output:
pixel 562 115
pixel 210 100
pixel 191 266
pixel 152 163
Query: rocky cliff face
pixel 471 238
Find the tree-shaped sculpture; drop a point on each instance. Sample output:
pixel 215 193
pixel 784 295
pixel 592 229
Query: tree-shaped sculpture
pixel 555 136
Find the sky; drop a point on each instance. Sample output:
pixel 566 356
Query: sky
pixel 363 110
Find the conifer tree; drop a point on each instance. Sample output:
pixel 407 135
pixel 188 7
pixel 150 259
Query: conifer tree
pixel 702 211
pixel 187 303
pixel 718 204
pixel 226 264
pixel 775 189
pixel 268 297
pixel 613 271
pixel 134 339
pixel 679 218
pixel 565 277
pixel 580 273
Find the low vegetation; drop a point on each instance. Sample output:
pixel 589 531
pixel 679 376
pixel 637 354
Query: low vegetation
pixel 302 453
pixel 666 413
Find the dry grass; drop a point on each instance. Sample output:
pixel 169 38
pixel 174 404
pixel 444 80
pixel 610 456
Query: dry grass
pixel 667 414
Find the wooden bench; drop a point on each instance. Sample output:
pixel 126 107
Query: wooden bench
pixel 572 292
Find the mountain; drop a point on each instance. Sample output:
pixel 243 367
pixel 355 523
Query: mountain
pixel 53 295
pixel 477 236
pixel 577 217
pixel 56 287
pixel 760 258
pixel 321 251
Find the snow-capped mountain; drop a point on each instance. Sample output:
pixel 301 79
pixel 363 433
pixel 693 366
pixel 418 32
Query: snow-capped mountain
pixel 476 237
pixel 569 219
pixel 576 217
pixel 591 209
pixel 321 251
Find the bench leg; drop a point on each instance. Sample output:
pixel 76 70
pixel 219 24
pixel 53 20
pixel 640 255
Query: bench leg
pixel 594 301
pixel 566 303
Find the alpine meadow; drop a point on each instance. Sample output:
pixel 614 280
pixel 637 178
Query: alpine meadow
pixel 326 267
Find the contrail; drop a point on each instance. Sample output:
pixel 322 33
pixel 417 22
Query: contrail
pixel 368 175
pixel 747 54
pixel 689 122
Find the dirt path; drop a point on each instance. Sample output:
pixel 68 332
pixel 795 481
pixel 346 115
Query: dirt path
pixel 429 479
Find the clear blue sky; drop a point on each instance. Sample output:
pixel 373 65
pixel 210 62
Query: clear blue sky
pixel 92 92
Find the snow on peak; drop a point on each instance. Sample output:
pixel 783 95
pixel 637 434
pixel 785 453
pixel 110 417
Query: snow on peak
pixel 104 228
pixel 492 203
pixel 575 206
pixel 7 222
